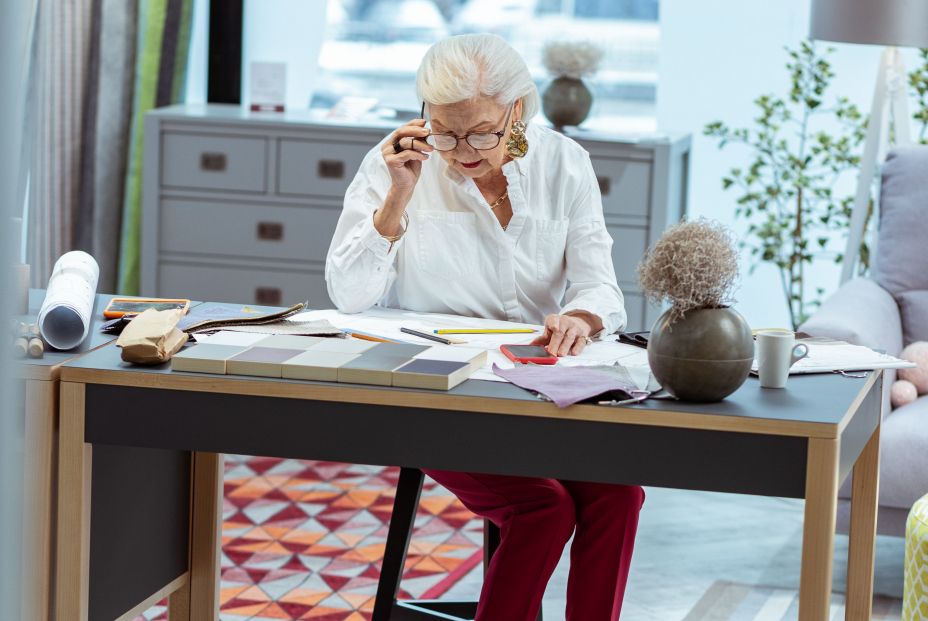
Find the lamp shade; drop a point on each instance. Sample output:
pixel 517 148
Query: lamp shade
pixel 902 23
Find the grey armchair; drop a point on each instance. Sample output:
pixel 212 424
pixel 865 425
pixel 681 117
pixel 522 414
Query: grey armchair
pixel 888 312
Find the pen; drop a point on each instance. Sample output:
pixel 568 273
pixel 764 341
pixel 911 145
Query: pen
pixel 428 336
pixel 486 331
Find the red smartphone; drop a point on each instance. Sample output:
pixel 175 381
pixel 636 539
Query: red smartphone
pixel 528 354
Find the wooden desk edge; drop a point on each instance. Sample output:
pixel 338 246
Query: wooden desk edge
pixel 855 404
pixel 351 393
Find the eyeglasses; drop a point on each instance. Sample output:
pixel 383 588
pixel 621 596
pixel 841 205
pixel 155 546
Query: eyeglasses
pixel 481 141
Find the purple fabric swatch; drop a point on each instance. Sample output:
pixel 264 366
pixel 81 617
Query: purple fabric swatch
pixel 566 385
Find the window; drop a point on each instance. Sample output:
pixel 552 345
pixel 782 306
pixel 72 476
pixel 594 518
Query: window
pixel 372 48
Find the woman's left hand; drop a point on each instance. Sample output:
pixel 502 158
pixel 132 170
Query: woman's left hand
pixel 565 334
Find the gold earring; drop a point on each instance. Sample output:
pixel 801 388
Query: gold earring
pixel 517 145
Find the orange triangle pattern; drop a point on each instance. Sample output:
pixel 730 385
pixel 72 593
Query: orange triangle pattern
pixel 304 540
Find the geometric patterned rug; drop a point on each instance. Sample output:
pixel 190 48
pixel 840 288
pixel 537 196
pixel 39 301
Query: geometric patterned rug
pixel 729 601
pixel 304 540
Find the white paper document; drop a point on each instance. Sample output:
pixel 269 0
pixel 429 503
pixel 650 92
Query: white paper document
pixel 386 323
pixel 64 318
pixel 828 355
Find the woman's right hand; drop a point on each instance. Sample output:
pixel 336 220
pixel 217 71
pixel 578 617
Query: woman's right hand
pixel 406 165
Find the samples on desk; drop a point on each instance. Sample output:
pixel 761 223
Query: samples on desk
pixel 437 367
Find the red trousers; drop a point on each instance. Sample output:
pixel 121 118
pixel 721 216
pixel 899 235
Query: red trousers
pixel 536 517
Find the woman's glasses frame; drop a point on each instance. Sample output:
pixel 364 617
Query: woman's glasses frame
pixel 466 137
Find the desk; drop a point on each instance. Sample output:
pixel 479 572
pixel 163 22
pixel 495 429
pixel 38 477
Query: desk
pixel 39 377
pixel 121 424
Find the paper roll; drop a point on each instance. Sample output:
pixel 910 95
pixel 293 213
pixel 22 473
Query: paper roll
pixel 64 319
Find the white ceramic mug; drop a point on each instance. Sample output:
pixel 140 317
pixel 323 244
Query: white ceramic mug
pixel 777 351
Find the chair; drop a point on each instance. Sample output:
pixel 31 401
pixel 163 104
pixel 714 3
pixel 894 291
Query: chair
pixel 386 606
pixel 886 312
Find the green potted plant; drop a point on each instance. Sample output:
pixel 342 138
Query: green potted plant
pixel 918 81
pixel 789 193
pixel 700 349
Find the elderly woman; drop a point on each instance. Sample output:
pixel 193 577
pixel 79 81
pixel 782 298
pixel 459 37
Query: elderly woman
pixel 506 222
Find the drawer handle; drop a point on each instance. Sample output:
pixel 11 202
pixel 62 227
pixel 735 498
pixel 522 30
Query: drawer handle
pixel 331 169
pixel 213 162
pixel 605 184
pixel 270 231
pixel 268 296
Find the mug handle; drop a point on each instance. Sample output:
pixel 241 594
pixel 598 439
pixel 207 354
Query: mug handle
pixel 796 357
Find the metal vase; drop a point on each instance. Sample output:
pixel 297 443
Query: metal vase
pixel 703 357
pixel 566 101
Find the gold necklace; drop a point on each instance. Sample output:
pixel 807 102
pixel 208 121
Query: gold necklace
pixel 499 200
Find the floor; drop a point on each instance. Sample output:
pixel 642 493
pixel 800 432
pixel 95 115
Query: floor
pixel 688 540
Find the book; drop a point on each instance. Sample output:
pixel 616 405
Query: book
pixel 431 374
pixel 316 365
pixel 205 358
pixel 260 361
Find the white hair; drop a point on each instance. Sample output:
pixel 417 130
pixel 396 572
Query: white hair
pixel 465 67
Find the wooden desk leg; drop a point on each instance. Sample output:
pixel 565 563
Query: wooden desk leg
pixel 199 600
pixel 74 462
pixel 41 423
pixel 818 534
pixel 865 488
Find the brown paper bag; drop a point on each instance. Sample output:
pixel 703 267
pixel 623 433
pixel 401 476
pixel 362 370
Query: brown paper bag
pixel 152 337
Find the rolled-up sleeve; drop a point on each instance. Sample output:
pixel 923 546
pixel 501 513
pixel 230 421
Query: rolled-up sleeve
pixel 591 281
pixel 360 266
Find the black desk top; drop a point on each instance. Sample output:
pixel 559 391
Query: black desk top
pixel 42 368
pixel 823 399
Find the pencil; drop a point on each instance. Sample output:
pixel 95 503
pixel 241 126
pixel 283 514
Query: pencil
pixel 369 337
pixel 486 331
pixel 428 336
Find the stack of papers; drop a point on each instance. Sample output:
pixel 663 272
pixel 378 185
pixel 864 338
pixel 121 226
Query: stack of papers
pixel 828 355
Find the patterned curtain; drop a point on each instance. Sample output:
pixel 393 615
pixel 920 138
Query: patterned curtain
pixel 100 65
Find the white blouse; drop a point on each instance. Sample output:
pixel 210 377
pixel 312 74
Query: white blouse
pixel 554 256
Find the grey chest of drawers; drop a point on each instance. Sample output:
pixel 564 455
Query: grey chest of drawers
pixel 241 207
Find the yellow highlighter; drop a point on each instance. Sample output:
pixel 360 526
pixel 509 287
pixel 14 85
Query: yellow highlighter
pixel 486 331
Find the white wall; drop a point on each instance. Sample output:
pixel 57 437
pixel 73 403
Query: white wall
pixel 716 57
pixel 288 31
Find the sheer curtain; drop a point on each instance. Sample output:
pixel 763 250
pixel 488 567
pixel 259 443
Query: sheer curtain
pixel 99 66
pixel 16 25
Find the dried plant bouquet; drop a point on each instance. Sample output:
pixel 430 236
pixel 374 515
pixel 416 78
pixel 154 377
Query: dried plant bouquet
pixel 693 265
pixel 571 59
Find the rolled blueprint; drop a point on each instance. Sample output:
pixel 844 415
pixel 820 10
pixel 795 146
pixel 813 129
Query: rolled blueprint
pixel 64 319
